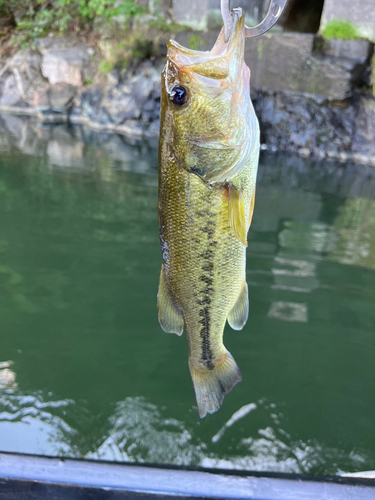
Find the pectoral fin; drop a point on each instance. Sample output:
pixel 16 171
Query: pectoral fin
pixel 236 212
pixel 169 316
pixel 240 311
pixel 251 209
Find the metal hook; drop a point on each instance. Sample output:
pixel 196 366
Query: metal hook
pixel 274 12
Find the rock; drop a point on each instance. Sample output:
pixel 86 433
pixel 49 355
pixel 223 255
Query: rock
pixel 89 101
pixel 10 95
pixel 42 100
pixel 61 96
pixel 113 78
pixel 121 105
pixel 67 65
pixel 26 60
pixel 57 98
pixel 25 66
pixel 141 87
pixel 364 132
pixel 151 108
pixel 48 43
pixel 132 129
pixel 295 123
pixel 106 48
pixel 133 99
pixel 93 104
pixel 152 132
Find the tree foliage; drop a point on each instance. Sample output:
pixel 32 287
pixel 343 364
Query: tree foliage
pixel 31 19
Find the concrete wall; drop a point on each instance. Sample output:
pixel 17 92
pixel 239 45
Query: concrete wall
pixel 196 13
pixel 191 12
pixel 302 63
pixel 361 13
pixel 254 9
pixel 199 14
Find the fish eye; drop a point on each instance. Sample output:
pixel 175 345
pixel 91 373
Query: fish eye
pixel 179 95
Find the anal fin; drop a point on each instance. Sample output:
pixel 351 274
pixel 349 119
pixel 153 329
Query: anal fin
pixel 170 318
pixel 236 213
pixel 240 311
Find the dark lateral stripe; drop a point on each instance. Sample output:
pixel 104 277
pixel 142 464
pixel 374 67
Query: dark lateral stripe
pixel 205 336
pixel 206 278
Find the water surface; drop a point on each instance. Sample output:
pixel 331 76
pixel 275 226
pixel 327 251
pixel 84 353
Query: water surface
pixel 85 370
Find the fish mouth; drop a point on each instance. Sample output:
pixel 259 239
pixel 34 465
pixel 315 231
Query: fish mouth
pixel 211 73
pixel 218 62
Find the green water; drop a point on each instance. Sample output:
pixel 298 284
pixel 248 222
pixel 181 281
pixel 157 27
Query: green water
pixel 85 370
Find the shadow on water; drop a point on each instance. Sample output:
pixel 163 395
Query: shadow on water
pixel 85 370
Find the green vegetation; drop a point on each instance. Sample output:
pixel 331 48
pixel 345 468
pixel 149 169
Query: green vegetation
pixel 343 30
pixel 195 42
pixel 31 19
pixel 133 45
pixel 161 24
pixel 105 66
pixel 123 29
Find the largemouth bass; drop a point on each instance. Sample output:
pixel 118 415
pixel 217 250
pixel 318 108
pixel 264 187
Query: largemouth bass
pixel 208 159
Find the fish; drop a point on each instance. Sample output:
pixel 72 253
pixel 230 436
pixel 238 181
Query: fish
pixel 208 160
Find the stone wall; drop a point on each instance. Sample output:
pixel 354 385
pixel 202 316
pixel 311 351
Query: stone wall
pixel 303 63
pixel 311 96
pixel 334 130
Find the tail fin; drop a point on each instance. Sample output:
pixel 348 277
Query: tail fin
pixel 211 385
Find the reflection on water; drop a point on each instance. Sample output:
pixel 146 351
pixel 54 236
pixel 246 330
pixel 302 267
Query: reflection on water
pixel 7 376
pixel 288 311
pixel 233 419
pixel 355 230
pixel 28 424
pixel 142 432
pixel 85 370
